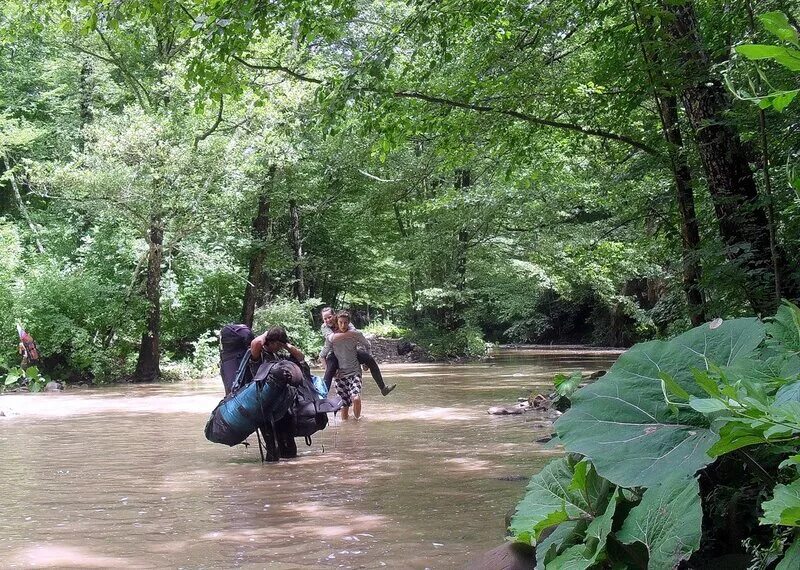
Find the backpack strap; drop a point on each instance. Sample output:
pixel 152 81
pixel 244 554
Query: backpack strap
pixel 237 380
pixel 271 417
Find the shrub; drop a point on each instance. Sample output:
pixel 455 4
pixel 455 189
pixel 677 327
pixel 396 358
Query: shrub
pixel 688 447
pixel 73 317
pixel 385 329
pixel 466 341
pixel 196 305
pixel 295 317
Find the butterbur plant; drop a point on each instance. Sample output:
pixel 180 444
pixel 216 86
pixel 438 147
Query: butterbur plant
pixel 653 444
pixel 30 377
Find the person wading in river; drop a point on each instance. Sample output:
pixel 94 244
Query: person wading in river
pixel 328 356
pixel 348 378
pixel 270 347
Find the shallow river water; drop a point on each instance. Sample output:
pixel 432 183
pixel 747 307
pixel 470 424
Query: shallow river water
pixel 123 477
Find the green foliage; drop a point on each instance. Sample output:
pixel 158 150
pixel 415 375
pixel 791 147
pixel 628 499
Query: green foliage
pixel 423 191
pixel 784 328
pixel 784 507
pixel 565 490
pixel 643 438
pixel 296 318
pixel 777 24
pixel 664 411
pixel 30 378
pixel 567 385
pixel 196 302
pixel 386 329
pixel 205 354
pixel 667 522
pixel 440 343
pixel 83 326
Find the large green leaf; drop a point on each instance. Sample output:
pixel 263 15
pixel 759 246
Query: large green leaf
pixel 791 558
pixel 784 507
pixel 667 521
pixel 778 24
pixel 564 536
pixel 623 423
pixel 556 494
pixel 787 57
pixel 784 328
pixel 788 393
pixel 593 549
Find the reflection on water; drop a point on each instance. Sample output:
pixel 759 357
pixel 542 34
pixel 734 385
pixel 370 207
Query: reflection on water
pixel 123 477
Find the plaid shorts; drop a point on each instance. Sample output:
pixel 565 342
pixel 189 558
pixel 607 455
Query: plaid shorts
pixel 348 387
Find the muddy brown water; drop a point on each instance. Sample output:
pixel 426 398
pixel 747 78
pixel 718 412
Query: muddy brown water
pixel 123 477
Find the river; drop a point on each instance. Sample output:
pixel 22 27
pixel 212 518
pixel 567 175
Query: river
pixel 122 477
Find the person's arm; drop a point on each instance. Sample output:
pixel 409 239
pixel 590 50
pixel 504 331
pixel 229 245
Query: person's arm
pixel 342 335
pixel 295 353
pixel 256 346
pixel 326 350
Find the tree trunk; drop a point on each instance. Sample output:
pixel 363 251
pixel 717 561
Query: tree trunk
pixel 85 89
pixel 297 251
pixel 455 319
pixel 412 272
pixel 690 233
pixel 23 210
pixel 667 104
pixel 742 221
pixel 147 365
pixel 256 289
pixel 773 238
pixel 463 181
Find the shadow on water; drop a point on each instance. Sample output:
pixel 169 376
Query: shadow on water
pixel 123 478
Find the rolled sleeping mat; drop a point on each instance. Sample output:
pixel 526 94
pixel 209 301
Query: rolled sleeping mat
pixel 263 400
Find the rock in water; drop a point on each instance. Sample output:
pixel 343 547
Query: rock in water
pixel 504 411
pixel 509 556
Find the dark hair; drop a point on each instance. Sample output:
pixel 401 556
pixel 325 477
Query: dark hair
pixel 276 334
pixel 343 315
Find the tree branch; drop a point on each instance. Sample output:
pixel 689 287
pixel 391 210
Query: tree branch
pixel 373 177
pixel 279 68
pixel 134 82
pixel 527 118
pixel 76 47
pixel 213 127
pixel 469 106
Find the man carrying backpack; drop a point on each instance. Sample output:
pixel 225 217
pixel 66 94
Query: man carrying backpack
pixel 270 347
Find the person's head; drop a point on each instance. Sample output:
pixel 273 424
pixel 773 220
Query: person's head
pixel 276 339
pixel 329 317
pixel 343 320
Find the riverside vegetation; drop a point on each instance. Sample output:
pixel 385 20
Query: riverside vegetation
pixel 686 449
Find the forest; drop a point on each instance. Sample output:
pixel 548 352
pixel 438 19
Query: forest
pixel 555 172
